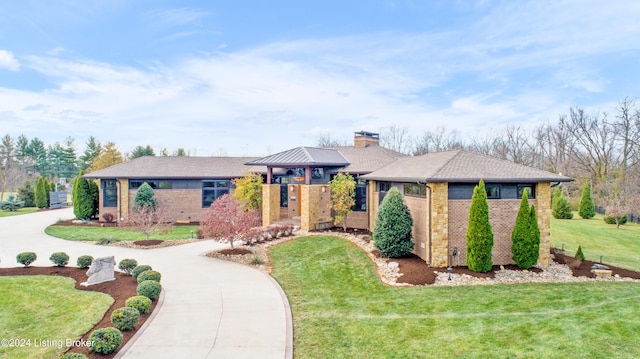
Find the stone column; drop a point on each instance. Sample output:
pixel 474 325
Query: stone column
pixel 543 214
pixel 439 224
pixel 270 204
pixel 123 201
pixel 310 203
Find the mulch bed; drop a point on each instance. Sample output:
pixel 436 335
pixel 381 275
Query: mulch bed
pixel 416 272
pixel 120 290
pixel 235 251
pixel 150 242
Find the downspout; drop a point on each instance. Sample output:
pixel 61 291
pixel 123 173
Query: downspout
pixel 119 196
pixel 430 222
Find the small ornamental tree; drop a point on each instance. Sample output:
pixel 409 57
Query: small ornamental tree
pixel 227 220
pixel 41 193
pixel 343 188
pixel 586 209
pixel 147 215
pixel 392 232
pixel 479 232
pixel 249 191
pixel 561 207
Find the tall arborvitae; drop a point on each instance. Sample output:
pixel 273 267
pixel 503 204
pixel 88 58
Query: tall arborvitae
pixel 521 233
pixel 533 247
pixel 586 209
pixel 479 233
pixel 41 193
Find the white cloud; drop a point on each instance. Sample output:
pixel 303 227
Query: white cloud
pixel 9 61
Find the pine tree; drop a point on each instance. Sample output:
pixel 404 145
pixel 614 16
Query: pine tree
pixel 41 193
pixel 561 207
pixel 26 194
pixel 479 233
pixel 579 255
pixel 586 209
pixel 392 233
pixel 144 197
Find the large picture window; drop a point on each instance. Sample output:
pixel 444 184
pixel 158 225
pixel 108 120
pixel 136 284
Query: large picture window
pixel 464 191
pixel 155 184
pixel 360 196
pixel 109 193
pixel 212 190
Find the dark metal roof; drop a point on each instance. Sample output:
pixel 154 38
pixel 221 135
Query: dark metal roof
pixel 303 156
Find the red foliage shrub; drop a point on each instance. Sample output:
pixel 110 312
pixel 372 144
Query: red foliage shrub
pixel 227 220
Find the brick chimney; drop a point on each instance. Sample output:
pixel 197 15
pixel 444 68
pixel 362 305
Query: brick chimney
pixel 366 139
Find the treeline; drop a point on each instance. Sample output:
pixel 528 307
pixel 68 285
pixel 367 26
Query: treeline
pixel 23 159
pixel 597 147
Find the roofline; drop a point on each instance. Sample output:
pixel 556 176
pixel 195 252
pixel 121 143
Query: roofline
pixel 467 180
pixel 298 164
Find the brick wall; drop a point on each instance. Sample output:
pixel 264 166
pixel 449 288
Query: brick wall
pixel 418 208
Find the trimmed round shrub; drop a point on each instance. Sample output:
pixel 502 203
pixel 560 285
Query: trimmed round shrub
pixel 149 288
pixel 125 318
pixel 105 340
pixel 84 262
pixel 126 265
pixel 60 259
pixel 26 258
pixel 612 220
pixel 139 269
pixel 73 356
pixel 149 275
pixel 140 302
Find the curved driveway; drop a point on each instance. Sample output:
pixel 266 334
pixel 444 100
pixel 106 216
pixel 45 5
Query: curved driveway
pixel 211 309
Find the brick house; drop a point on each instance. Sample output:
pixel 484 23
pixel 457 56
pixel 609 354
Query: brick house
pixel 437 188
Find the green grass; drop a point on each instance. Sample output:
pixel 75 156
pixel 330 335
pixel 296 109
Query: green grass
pixel 18 212
pixel 620 247
pixel 94 233
pixel 342 310
pixel 34 309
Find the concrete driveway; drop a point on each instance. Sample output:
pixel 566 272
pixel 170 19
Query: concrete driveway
pixel 211 308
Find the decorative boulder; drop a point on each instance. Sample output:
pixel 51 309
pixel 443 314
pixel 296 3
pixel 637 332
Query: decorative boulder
pixel 102 270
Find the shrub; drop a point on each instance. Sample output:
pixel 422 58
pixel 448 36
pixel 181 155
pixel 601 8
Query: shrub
pixel 479 233
pixel 105 340
pixel 525 237
pixel 561 207
pixel 149 275
pixel 139 269
pixel 26 258
pixel 84 262
pixel 140 302
pixel 60 259
pixel 612 220
pixel 227 220
pixel 149 288
pixel 392 232
pixel 579 255
pixel 107 241
pixel 125 318
pixel 126 265
pixel 108 217
pixel 73 356
pixel 586 208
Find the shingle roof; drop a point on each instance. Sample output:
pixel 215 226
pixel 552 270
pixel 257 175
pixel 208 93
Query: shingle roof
pixel 367 159
pixel 303 156
pixel 460 166
pixel 179 167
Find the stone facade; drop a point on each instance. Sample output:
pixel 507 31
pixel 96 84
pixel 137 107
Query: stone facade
pixel 310 211
pixel 270 204
pixel 439 223
pixel 543 213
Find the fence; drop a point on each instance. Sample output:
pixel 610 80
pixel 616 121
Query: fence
pixel 58 199
pixel 635 218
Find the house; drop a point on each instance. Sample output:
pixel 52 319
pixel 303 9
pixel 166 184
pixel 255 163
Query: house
pixel 437 188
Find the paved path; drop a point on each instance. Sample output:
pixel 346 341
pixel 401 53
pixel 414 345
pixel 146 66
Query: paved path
pixel 211 309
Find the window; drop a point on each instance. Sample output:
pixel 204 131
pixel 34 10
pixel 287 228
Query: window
pixel 530 190
pixel 384 186
pixel 360 196
pixel 284 195
pixel 155 184
pixel 212 190
pixel 493 190
pixel 109 193
pixel 415 190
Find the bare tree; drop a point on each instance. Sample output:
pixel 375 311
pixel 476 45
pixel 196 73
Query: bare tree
pixel 327 141
pixel 150 219
pixel 619 195
pixel 627 128
pixel 396 138
pixel 435 141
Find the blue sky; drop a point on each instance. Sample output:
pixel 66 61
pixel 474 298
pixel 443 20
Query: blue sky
pixel 257 77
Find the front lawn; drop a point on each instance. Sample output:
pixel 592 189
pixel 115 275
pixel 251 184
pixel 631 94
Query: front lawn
pixel 96 233
pixel 342 310
pixel 620 247
pixel 20 211
pixel 39 313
